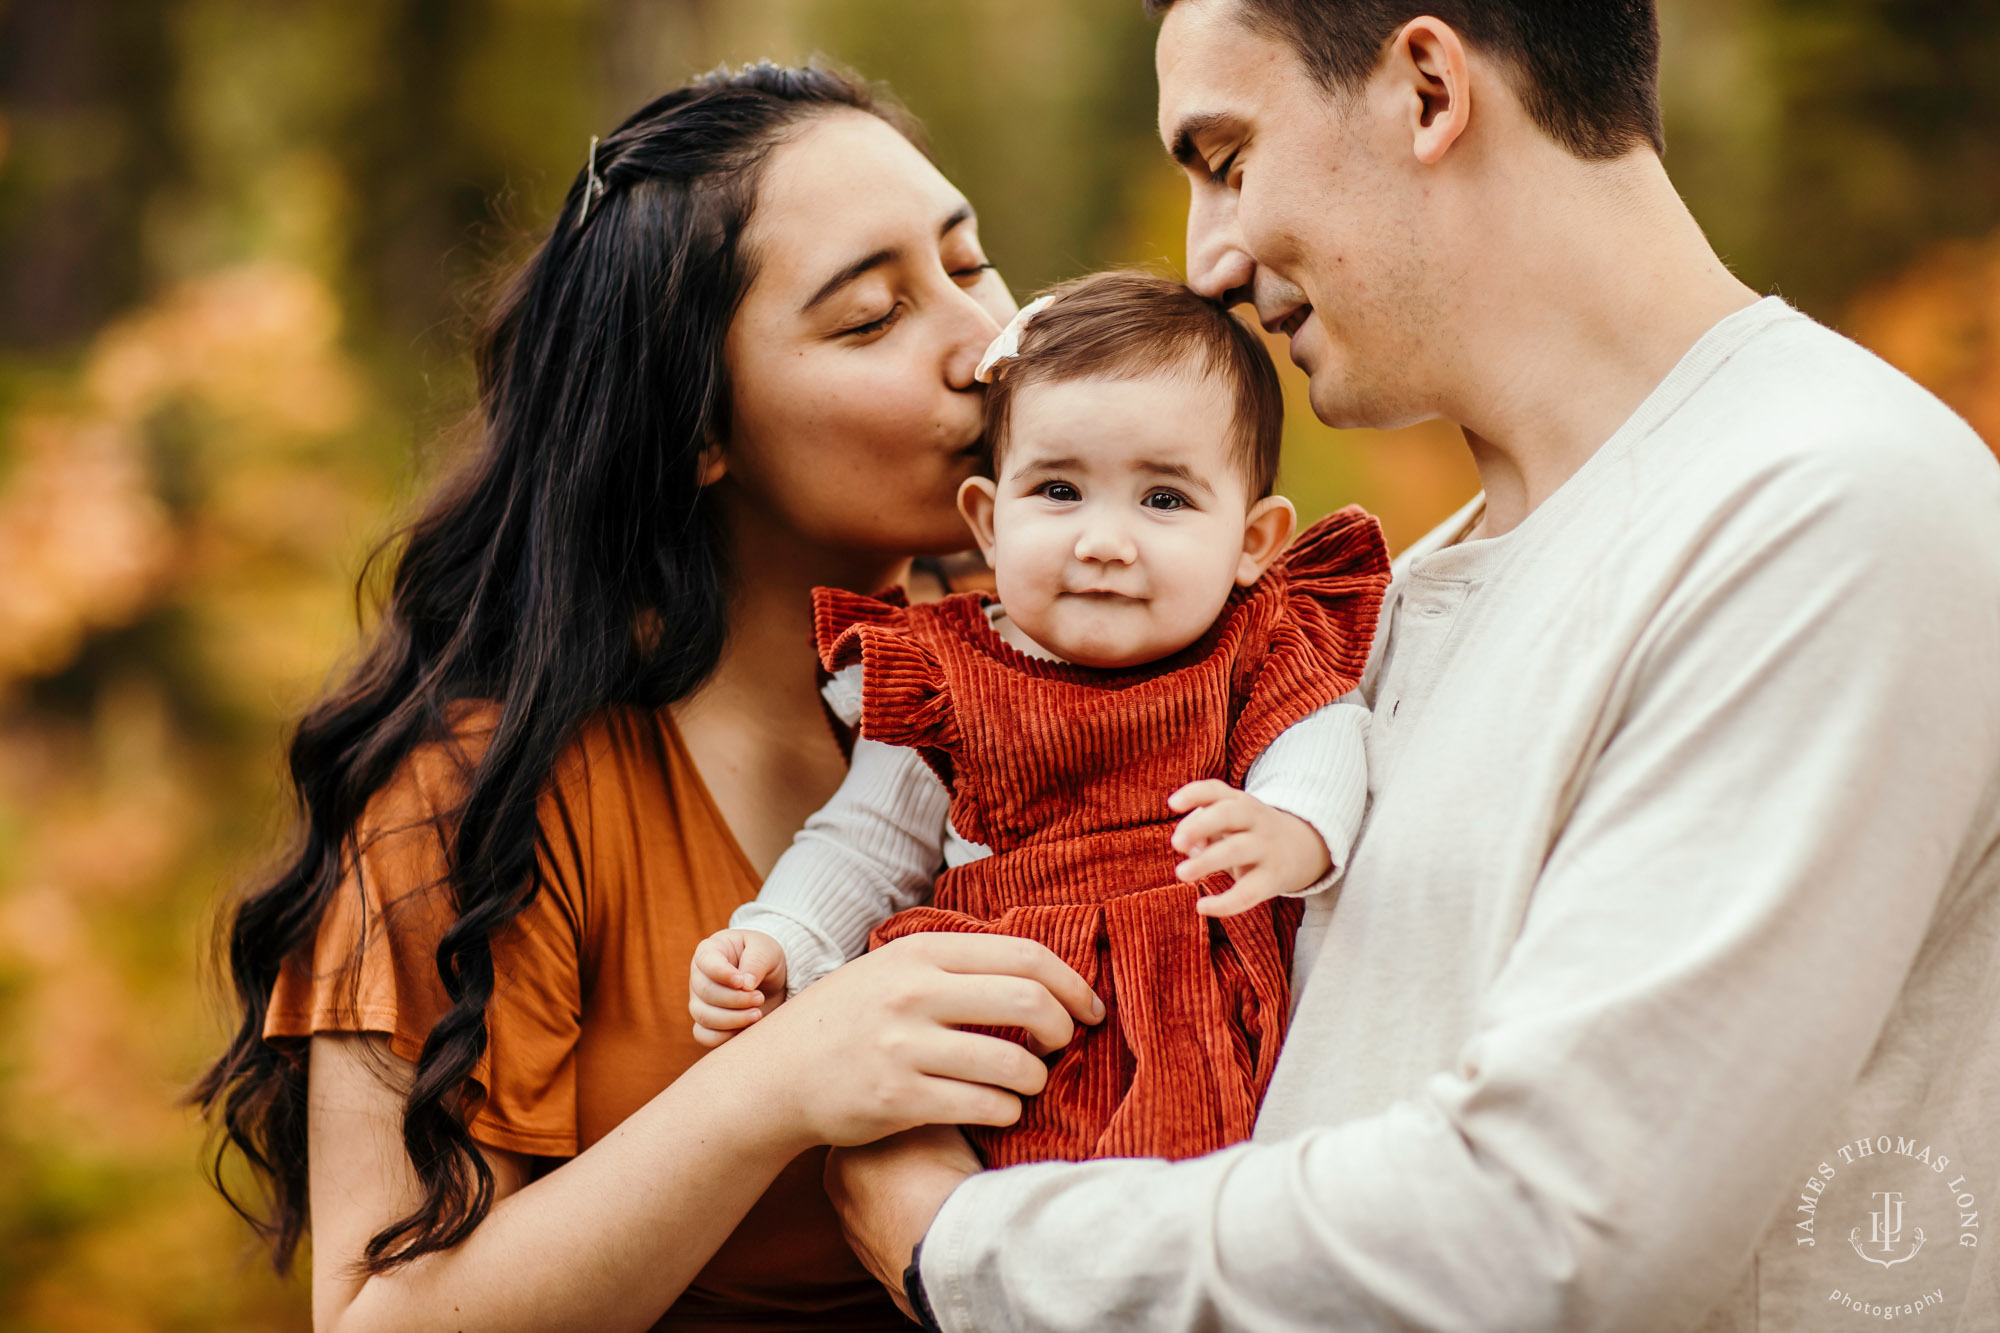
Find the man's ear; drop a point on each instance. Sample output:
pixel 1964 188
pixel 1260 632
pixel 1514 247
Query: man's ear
pixel 1432 78
pixel 976 498
pixel 1267 531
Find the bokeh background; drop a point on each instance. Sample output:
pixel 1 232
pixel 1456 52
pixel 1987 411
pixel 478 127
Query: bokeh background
pixel 242 243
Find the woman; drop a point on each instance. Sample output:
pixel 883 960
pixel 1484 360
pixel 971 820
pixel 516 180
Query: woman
pixel 742 364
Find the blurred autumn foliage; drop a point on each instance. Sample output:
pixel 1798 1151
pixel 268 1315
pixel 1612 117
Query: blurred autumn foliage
pixel 237 241
pixel 1939 321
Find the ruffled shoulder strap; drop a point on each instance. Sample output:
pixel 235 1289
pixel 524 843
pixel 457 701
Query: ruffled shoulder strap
pixel 1336 574
pixel 836 611
pixel 905 697
pixel 1331 582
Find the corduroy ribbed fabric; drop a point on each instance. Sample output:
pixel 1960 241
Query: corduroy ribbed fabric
pixel 1064 772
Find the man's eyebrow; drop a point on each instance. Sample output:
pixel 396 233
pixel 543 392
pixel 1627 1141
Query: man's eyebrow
pixel 1181 147
pixel 888 255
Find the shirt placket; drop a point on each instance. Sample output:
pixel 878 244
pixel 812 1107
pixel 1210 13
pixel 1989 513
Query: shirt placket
pixel 1425 612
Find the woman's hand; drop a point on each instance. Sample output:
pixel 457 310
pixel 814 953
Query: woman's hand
pixel 872 1049
pixel 877 1047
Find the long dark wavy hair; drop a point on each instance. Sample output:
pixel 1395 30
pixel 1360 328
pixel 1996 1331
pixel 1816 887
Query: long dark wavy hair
pixel 572 566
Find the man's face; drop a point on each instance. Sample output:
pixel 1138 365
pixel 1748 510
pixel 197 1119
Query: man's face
pixel 1302 205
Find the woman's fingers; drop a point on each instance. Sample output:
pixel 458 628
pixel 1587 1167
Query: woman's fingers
pixel 960 1103
pixel 1004 955
pixel 1233 852
pixel 1004 1002
pixel 878 1046
pixel 976 1057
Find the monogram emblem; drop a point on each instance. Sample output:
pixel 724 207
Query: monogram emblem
pixel 1886 1232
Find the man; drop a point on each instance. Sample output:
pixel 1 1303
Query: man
pixel 1663 977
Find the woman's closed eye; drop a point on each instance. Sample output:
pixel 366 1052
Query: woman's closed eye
pixel 966 276
pixel 874 325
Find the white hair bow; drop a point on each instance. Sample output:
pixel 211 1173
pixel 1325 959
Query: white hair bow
pixel 1008 345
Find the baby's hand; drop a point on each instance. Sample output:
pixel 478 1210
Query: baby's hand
pixel 1270 852
pixel 733 972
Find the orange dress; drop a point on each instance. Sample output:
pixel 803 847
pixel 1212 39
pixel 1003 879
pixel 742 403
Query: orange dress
pixel 1064 772
pixel 589 1014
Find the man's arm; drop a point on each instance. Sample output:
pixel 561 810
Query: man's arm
pixel 1717 937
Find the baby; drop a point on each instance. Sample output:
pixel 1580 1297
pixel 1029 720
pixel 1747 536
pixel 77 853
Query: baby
pixel 1136 755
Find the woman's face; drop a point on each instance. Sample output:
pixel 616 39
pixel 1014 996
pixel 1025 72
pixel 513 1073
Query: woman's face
pixel 854 415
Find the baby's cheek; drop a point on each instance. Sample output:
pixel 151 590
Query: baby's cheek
pixel 1030 563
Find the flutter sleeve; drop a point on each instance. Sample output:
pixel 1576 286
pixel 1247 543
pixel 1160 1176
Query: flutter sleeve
pixel 1316 646
pixel 905 699
pixel 372 967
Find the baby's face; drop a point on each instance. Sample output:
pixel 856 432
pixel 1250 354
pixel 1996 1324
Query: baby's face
pixel 1119 523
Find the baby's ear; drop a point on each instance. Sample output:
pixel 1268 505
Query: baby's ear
pixel 976 498
pixel 1267 531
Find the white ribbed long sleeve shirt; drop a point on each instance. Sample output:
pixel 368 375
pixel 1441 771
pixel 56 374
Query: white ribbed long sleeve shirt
pixel 1671 946
pixel 875 848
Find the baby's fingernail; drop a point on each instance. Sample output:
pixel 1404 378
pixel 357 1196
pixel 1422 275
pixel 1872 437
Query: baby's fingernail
pixel 1096 1008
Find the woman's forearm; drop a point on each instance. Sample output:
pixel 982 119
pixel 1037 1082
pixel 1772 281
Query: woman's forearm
pixel 608 1240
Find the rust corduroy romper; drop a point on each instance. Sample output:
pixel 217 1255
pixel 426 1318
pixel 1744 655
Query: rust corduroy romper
pixel 1064 772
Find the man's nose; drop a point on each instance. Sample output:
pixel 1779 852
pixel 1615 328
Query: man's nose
pixel 1218 264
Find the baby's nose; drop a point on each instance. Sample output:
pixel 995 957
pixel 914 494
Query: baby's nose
pixel 1107 543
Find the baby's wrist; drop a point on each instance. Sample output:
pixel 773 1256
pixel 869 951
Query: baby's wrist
pixel 1308 846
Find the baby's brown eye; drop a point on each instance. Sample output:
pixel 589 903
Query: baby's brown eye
pixel 1061 492
pixel 1166 500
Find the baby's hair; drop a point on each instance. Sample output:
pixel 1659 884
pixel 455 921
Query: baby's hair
pixel 1123 325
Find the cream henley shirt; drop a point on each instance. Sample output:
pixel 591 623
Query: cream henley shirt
pixel 1661 992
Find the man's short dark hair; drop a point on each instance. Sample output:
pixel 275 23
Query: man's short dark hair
pixel 1587 70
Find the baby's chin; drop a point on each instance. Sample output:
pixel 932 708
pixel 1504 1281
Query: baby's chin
pixel 1108 649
